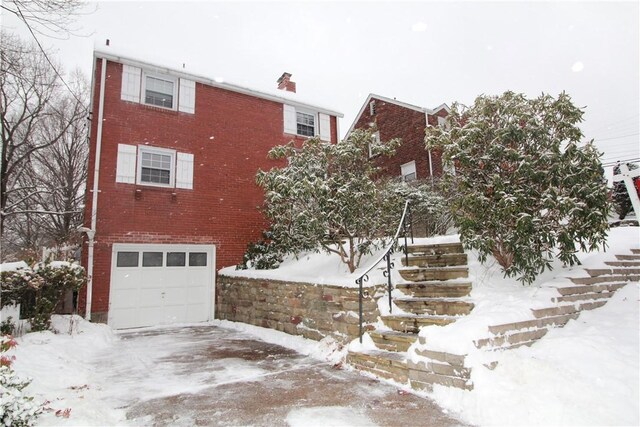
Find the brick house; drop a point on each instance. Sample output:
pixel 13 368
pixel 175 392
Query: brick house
pixel 396 119
pixel 171 195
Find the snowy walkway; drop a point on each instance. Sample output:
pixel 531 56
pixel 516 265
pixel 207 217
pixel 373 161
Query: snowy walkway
pixel 210 375
pixel 214 376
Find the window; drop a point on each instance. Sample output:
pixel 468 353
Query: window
pixel 176 259
pixel 305 124
pixel 372 107
pixel 443 123
pixel 156 166
pixel 127 259
pixel 376 140
pixel 159 90
pixel 152 259
pixel 408 171
pixel 197 259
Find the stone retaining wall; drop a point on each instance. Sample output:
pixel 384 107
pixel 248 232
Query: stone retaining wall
pixel 313 311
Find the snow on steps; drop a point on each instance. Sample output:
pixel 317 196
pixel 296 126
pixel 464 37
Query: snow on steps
pixel 391 361
pixel 586 293
pixel 434 295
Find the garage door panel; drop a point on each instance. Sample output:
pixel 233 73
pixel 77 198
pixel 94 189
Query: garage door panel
pixel 171 293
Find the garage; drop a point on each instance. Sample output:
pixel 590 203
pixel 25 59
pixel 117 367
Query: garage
pixel 159 284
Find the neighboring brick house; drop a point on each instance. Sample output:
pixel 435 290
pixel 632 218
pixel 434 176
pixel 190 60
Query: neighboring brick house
pixel 394 119
pixel 174 197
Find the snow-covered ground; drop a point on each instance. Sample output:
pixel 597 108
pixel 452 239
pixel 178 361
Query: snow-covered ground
pixel 586 373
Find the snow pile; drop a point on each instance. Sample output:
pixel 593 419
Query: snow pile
pixel 316 268
pixel 62 377
pixel 583 374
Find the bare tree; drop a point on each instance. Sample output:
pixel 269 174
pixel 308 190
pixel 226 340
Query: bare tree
pixel 43 144
pixel 51 18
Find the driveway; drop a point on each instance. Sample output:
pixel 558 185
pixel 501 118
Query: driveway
pixel 210 375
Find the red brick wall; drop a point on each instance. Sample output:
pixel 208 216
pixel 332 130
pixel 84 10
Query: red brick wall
pixel 229 136
pixel 395 121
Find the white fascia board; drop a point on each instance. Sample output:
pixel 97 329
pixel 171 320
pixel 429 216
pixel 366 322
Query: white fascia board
pixel 213 83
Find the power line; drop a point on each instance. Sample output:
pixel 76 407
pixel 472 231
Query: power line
pixel 610 163
pixel 617 137
pixel 55 70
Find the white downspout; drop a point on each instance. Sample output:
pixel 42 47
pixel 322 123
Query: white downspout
pixel 94 200
pixel 426 120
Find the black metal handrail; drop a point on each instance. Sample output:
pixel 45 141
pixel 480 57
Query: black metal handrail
pixel 364 277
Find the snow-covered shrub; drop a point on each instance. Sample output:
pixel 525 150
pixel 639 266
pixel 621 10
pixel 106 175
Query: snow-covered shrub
pixel 326 198
pixel 264 254
pixel 525 188
pixel 429 205
pixel 16 408
pixel 40 290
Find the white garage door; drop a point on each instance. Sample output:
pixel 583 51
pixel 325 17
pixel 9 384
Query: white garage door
pixel 161 284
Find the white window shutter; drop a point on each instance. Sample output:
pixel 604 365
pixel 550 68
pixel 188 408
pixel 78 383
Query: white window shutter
pixel 130 83
pixel 184 171
pixel 325 127
pixel 126 164
pixel 290 122
pixel 187 97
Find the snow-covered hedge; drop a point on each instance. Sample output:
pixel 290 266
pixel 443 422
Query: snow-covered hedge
pixel 39 289
pixel 16 408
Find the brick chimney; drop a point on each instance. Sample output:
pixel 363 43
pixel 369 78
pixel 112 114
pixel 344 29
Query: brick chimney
pixel 284 83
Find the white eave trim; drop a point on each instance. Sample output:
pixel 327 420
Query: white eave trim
pixel 211 82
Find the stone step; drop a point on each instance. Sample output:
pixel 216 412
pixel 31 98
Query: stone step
pixel 433 273
pixel 384 364
pixel 412 324
pixel 439 260
pixel 424 375
pixel 624 263
pixel 604 279
pixel 533 324
pixel 566 309
pixel 421 375
pixel 439 248
pixel 435 289
pixel 628 257
pixel 586 289
pixel 635 251
pixel 392 340
pixel 439 356
pixel 596 272
pixel 583 297
pixel 434 306
pixel 512 339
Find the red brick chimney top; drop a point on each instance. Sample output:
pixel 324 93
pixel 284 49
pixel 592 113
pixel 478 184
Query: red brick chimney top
pixel 284 83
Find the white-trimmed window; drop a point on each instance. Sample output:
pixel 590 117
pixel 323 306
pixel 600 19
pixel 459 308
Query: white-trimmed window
pixel 308 123
pixel 159 90
pixel 156 166
pixel 408 171
pixel 305 123
pixel 443 123
pixel 376 140
pixel 372 107
pixel 160 167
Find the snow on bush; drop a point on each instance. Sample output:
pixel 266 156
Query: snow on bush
pixel 16 408
pixel 526 189
pixel 40 290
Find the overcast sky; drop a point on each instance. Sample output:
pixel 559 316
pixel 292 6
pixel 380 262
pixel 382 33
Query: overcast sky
pixel 424 53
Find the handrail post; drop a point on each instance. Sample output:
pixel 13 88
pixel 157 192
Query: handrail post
pixel 359 280
pixel 389 277
pixel 410 216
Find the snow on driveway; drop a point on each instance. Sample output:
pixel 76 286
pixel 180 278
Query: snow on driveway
pixel 206 374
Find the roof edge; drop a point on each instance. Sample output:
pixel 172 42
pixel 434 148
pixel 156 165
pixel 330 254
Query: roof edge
pixel 211 82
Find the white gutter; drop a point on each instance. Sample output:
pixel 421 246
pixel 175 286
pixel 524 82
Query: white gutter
pixel 94 200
